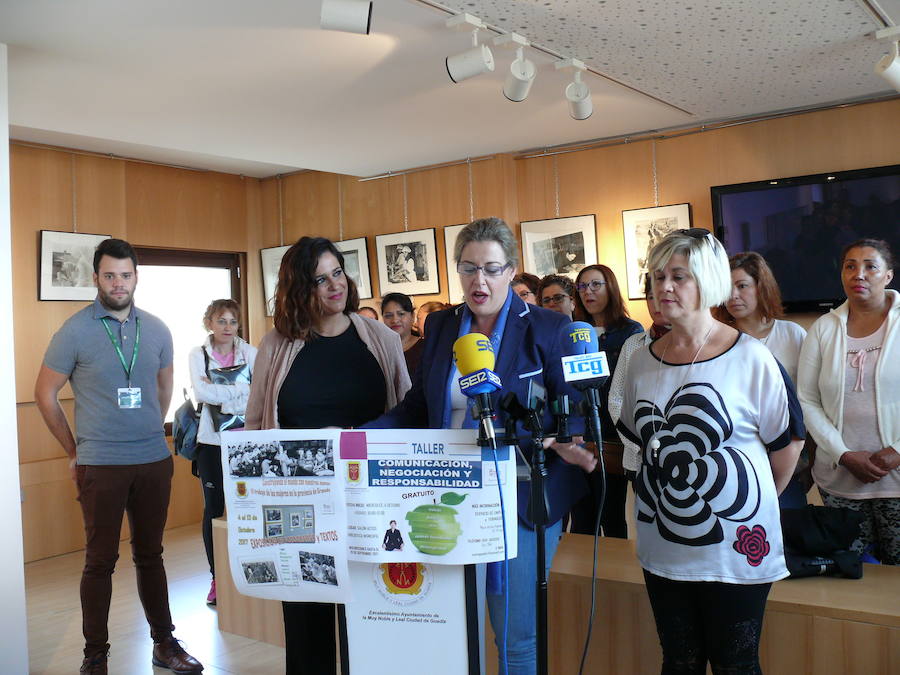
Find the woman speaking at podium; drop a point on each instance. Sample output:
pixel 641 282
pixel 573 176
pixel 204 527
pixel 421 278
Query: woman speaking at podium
pixel 526 342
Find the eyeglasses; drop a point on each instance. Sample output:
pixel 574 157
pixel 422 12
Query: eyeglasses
pixel 595 285
pixel 226 322
pixel 524 294
pixel 336 274
pixel 490 270
pixel 554 299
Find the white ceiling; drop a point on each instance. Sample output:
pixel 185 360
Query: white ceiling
pixel 258 88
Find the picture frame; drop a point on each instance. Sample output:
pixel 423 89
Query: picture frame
pixel 407 262
pixel 270 262
pixel 642 229
pixel 454 288
pixel 67 265
pixel 559 245
pixel 356 264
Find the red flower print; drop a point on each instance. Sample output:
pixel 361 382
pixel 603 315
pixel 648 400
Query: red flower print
pixel 752 543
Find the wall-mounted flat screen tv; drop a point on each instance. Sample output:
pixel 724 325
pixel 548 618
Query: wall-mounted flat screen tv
pixel 801 225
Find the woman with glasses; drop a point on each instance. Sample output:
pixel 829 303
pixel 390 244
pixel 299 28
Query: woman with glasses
pixel 397 312
pixel 557 293
pixel 525 285
pixel 710 411
pixel 221 369
pixel 600 303
pixel 322 365
pixel 527 344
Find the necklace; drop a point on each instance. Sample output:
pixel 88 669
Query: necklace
pixel 654 441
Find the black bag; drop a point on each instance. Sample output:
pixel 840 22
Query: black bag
pixel 817 539
pixel 185 426
pixel 222 421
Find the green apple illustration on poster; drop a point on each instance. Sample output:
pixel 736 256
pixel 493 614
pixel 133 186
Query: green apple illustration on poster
pixel 433 527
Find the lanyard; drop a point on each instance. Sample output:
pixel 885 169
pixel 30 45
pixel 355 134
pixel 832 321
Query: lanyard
pixel 134 354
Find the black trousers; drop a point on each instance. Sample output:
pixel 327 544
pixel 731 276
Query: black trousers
pixel 700 621
pixel 209 469
pixel 309 638
pixel 612 522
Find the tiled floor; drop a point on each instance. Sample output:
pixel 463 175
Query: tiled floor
pixel 54 616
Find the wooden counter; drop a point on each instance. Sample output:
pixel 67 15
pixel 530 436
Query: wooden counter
pixel 825 626
pixel 819 626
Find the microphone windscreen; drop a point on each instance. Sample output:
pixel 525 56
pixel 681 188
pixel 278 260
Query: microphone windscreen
pixel 473 352
pixel 579 337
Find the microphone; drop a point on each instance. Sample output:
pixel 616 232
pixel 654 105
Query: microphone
pixel 585 367
pixel 474 358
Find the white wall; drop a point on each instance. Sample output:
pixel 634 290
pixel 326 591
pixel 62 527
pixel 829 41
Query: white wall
pixel 13 627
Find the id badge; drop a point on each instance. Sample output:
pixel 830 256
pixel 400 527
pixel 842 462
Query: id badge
pixel 129 397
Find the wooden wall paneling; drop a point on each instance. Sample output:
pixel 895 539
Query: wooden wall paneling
pixel 180 208
pixel 310 206
pixel 437 197
pixel 262 232
pixel 494 188
pixel 100 195
pixel 41 199
pixel 51 517
pixel 787 644
pixel 536 188
pixel 36 443
pixel 186 502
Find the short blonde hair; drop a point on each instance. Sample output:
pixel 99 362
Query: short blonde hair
pixel 488 229
pixel 707 262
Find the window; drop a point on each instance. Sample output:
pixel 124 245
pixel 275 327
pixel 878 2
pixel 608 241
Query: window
pixel 177 287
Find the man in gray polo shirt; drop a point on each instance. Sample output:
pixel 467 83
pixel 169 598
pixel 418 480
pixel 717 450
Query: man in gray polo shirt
pixel 119 361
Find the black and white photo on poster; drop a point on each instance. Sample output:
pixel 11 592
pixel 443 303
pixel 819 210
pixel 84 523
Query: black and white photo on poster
pixel 318 568
pixel 260 571
pixel 281 459
pixel 559 245
pixel 67 265
pixel 642 230
pixel 270 263
pixel 407 262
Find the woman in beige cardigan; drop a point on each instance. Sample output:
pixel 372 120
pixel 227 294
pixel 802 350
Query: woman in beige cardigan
pixel 323 365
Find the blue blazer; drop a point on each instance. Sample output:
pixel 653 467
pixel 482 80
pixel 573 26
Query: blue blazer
pixel 530 352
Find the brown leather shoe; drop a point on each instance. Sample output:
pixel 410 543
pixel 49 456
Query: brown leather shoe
pixel 94 665
pixel 169 654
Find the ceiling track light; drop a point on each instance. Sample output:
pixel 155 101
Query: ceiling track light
pixel 578 95
pixel 889 64
pixel 472 62
pixel 348 16
pixel 521 71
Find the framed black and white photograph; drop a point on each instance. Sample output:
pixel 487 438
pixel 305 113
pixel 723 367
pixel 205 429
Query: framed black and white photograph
pixel 407 263
pixel 643 229
pixel 67 265
pixel 454 288
pixel 356 264
pixel 559 245
pixel 270 260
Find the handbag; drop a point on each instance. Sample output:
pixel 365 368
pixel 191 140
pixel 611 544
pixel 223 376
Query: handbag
pixel 185 425
pixel 229 375
pixel 817 539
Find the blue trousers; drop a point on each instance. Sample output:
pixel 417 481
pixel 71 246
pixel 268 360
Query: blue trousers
pixel 522 647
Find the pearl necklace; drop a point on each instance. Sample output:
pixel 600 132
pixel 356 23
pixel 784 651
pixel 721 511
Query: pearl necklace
pixel 654 441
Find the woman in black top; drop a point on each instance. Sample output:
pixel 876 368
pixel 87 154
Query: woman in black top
pixel 322 365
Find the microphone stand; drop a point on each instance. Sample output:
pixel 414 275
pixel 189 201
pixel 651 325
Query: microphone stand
pixel 531 420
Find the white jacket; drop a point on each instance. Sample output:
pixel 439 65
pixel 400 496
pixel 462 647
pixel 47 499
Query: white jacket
pixel 820 380
pixel 232 397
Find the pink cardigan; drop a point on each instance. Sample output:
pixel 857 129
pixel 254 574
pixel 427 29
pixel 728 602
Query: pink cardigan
pixel 276 355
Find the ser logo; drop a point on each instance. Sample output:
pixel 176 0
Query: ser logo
pixel 477 378
pixel 484 345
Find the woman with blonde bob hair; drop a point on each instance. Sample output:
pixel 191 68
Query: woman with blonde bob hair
pixel 709 409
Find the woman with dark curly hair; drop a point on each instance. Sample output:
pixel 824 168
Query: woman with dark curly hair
pixel 322 365
pixel 600 303
pixel 557 293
